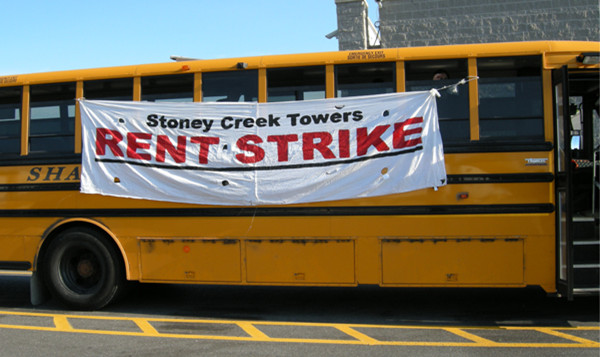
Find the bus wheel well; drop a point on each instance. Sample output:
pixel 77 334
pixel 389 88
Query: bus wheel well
pixel 81 266
pixel 57 230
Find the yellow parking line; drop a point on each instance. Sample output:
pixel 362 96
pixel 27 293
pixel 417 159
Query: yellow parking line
pixel 62 323
pixel 146 327
pixel 359 336
pixel 252 328
pixel 553 332
pixel 470 336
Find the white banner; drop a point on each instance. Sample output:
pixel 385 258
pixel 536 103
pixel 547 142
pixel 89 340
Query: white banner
pixel 262 153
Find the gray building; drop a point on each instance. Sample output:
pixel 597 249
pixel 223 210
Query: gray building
pixel 409 23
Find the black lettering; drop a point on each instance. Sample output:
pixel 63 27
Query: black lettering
pixel 196 123
pixel 74 175
pixel 261 122
pixel 207 124
pixel 274 121
pixel 172 123
pixel 357 115
pixel 152 122
pixel 56 174
pixel 34 174
pixel 225 123
pixel 293 118
pixel 305 120
pixel 162 122
pixel 320 118
pixel 335 117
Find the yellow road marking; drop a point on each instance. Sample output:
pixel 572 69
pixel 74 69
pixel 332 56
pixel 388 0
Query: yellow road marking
pixel 567 336
pixel 470 336
pixel 62 324
pixel 358 335
pixel 251 330
pixel 146 328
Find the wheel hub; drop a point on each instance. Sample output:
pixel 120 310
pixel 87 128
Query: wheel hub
pixel 85 268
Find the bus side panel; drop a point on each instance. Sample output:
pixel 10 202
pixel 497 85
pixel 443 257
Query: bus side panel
pixel 456 261
pixel 12 250
pixel 300 261
pixel 190 260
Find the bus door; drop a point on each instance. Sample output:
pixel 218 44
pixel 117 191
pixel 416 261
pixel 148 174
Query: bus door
pixel 576 95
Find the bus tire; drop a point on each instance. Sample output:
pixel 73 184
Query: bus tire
pixel 82 269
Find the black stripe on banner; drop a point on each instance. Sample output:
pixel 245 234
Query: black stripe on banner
pixel 263 168
pixel 286 211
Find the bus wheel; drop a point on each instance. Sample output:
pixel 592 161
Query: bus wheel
pixel 82 270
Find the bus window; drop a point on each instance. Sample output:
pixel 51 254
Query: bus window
pixel 10 120
pixel 238 86
pixel 300 83
pixel 175 88
pixel 364 79
pixel 52 119
pixel 510 98
pixel 109 89
pixel 453 108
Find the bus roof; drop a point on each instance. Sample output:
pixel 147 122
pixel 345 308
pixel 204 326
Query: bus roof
pixel 558 53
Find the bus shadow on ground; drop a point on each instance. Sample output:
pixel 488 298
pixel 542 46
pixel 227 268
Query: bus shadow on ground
pixel 358 305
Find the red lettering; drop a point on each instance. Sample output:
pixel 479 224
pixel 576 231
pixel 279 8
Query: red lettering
pixel 282 145
pixel 110 138
pixel 400 133
pixel 163 144
pixel 133 145
pixel 344 144
pixel 205 143
pixel 364 139
pixel 309 146
pixel 243 143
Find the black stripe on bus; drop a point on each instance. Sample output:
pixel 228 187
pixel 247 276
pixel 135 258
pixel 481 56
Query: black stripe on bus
pixel 286 211
pixel 474 147
pixel 15 265
pixel 59 186
pixel 449 148
pixel 452 179
pixel 501 178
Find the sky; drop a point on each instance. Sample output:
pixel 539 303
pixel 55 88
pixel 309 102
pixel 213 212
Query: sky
pixel 43 35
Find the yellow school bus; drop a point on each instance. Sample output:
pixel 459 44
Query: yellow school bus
pixel 520 207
